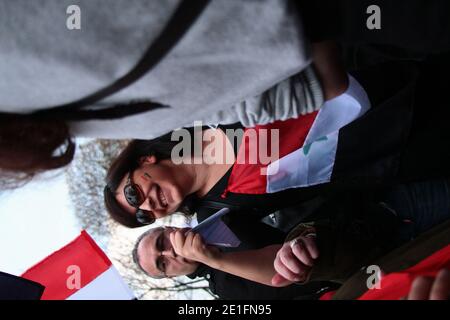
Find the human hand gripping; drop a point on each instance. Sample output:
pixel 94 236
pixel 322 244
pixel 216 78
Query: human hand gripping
pixel 294 260
pixel 191 246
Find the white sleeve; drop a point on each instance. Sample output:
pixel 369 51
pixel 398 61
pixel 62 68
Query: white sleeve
pixel 299 94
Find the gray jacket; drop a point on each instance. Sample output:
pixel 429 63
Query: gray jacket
pixel 219 72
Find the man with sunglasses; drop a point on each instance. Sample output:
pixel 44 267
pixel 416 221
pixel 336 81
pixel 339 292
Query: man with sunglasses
pixel 155 255
pixel 346 242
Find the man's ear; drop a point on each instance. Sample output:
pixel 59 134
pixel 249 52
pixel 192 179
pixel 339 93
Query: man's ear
pixel 147 160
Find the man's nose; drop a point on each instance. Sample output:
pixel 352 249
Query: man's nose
pixel 169 253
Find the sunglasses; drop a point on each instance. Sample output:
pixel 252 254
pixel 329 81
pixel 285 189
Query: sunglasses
pixel 135 198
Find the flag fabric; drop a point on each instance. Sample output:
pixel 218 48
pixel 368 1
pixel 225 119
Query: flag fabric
pixel 397 285
pixel 17 288
pixel 307 147
pixel 79 271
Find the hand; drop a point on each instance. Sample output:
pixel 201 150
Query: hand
pixel 424 288
pixel 191 246
pixel 294 260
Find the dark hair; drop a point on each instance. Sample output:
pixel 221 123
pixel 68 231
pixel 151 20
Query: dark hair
pixel 128 161
pixel 29 146
pixel 40 141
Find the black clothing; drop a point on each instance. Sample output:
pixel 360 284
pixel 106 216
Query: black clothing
pixel 230 287
pixel 17 288
pixel 420 26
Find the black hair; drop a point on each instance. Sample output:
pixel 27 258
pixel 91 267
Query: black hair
pixel 29 146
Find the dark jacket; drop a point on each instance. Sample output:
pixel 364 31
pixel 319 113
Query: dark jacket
pixel 230 287
pixel 253 236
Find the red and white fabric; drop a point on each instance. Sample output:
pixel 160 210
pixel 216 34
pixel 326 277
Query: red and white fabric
pixel 307 147
pixel 79 271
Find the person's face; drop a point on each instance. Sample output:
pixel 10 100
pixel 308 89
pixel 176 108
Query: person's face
pixel 157 257
pixel 163 184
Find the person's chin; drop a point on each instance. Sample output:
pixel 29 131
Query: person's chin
pixel 175 199
pixel 175 207
pixel 171 208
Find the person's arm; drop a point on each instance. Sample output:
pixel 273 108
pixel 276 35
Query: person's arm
pixel 305 92
pixel 254 265
pixel 329 68
pixel 346 244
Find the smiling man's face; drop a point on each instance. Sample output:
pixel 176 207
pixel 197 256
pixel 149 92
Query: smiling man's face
pixel 157 257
